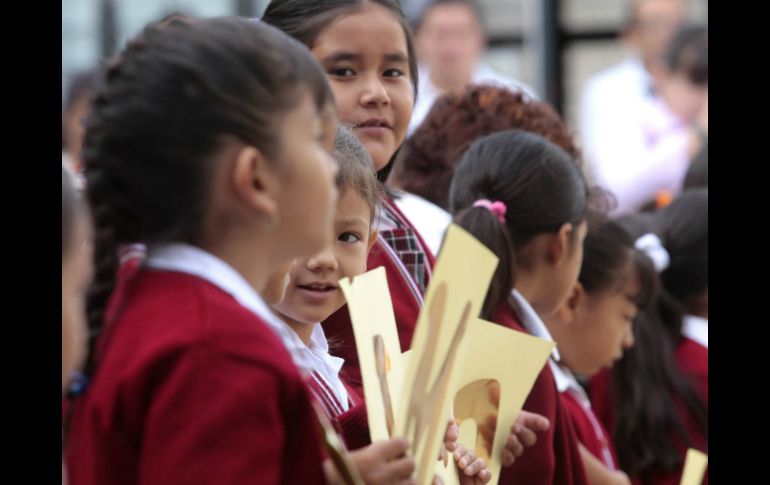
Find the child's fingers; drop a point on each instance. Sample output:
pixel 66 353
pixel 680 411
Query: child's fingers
pixel 465 462
pixel 514 445
pixel 451 435
pixel 400 469
pixel 526 436
pixel 476 465
pixel 533 421
pixel 390 449
pixel 508 458
pixel 485 476
pixel 442 454
pixel 460 452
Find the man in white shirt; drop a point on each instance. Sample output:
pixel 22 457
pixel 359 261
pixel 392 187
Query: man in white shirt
pixel 450 42
pixel 634 145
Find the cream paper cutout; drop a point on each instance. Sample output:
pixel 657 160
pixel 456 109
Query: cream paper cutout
pixel 371 313
pixel 453 300
pixel 694 467
pixel 483 351
pixel 493 358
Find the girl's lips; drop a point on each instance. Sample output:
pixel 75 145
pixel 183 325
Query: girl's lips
pixel 373 131
pixel 316 294
pixel 318 287
pixel 373 123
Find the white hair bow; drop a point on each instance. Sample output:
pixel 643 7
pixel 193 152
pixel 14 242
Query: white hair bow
pixel 651 246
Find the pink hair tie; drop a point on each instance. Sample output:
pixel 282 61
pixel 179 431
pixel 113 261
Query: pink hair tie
pixel 497 208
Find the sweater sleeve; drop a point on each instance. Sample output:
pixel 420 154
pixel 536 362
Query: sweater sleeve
pixel 536 465
pixel 213 419
pixel 353 425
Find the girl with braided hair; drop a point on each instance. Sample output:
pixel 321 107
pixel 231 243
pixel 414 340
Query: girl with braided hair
pixel 209 142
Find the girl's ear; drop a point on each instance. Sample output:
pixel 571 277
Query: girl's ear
pixel 255 183
pixel 559 245
pixel 574 304
pixel 370 244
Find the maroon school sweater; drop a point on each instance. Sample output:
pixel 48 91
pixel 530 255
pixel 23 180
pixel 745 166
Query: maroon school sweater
pixel 555 458
pixel 589 430
pixel 692 360
pixel 191 387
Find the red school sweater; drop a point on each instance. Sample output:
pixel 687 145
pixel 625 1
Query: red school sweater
pixel 351 424
pixel 692 360
pixel 589 430
pixel 191 387
pixel 555 458
pixel 397 262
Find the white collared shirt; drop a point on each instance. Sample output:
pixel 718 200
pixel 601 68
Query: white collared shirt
pixel 430 218
pixel 696 329
pixel 325 364
pixel 566 381
pixel 634 145
pixel 532 321
pixel 185 258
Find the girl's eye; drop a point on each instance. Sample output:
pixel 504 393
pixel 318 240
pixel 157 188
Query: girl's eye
pixel 341 72
pixel 348 237
pixel 393 73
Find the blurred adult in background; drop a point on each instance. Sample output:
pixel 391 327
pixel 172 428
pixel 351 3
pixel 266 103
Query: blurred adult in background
pixel 628 133
pixel 682 78
pixel 450 41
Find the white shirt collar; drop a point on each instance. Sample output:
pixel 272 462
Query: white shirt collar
pixel 185 258
pixel 325 364
pixel 697 329
pixel 566 381
pixel 532 321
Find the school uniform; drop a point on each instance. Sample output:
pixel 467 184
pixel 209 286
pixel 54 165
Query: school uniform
pixel 691 358
pixel 408 265
pixel 555 458
pixel 193 384
pixel 589 430
pixel 341 404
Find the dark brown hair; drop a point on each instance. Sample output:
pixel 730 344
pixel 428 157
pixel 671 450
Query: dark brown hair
pixel 355 169
pixel 540 185
pixel 167 104
pixel 306 19
pixel 647 375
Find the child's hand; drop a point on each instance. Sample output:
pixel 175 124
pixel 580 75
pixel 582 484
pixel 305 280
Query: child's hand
pixel 450 440
pixel 385 461
pixel 471 470
pixel 523 435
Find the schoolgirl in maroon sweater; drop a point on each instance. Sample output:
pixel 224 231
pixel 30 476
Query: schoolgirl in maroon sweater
pixel 208 142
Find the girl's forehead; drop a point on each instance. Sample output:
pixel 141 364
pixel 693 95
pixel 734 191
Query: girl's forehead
pixel 375 24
